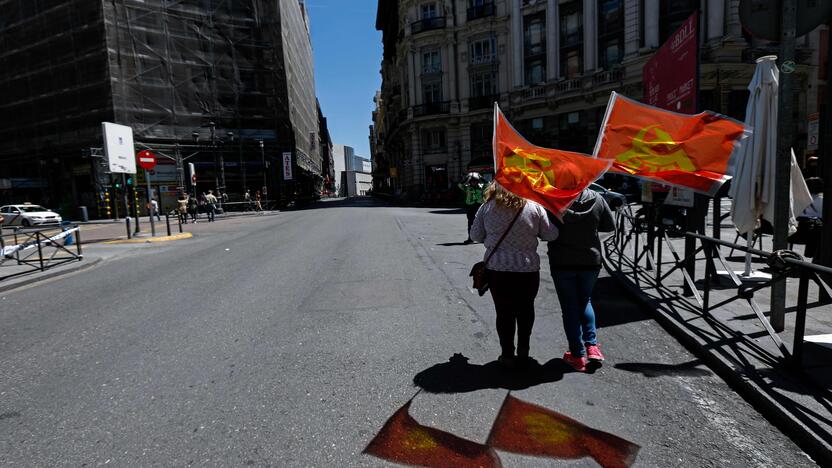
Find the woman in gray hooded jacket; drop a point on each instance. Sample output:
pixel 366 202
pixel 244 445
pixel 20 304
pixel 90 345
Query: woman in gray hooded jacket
pixel 575 261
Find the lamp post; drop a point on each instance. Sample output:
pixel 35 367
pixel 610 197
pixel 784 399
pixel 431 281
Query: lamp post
pixel 213 128
pixel 195 136
pixel 263 159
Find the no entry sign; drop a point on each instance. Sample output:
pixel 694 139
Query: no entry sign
pixel 146 159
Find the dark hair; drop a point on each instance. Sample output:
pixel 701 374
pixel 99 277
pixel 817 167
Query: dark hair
pixel 815 185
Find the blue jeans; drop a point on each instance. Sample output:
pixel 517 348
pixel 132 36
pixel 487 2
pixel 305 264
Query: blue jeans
pixel 574 292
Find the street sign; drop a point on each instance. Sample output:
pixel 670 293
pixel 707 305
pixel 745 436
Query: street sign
pixel 762 18
pixel 671 75
pixel 192 171
pixel 118 148
pixel 813 131
pixel 146 159
pixel 287 166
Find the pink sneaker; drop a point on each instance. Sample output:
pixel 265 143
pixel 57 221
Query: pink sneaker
pixel 577 362
pixel 593 353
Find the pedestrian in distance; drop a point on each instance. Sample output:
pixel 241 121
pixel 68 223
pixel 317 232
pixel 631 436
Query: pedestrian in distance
pixel 258 201
pixel 211 205
pixel 193 208
pixel 575 261
pixel 154 209
pixel 510 227
pixel 247 200
pixel 472 187
pixel 182 208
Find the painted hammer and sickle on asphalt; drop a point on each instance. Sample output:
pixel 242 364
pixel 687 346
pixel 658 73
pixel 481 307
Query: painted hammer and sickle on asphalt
pixel 643 157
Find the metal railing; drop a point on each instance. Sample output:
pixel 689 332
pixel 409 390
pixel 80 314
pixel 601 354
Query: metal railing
pixel 636 251
pixel 432 108
pixel 24 251
pixel 427 24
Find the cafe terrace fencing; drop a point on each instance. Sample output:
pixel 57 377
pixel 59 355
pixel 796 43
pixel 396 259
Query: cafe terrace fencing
pixel 651 256
pixel 23 251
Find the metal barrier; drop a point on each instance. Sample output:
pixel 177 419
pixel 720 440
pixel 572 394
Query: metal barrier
pixel 38 249
pixel 638 246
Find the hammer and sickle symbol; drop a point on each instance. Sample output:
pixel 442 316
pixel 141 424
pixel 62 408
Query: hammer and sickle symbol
pixel 644 157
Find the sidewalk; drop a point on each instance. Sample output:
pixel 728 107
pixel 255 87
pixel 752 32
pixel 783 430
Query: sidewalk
pixel 115 230
pixel 734 341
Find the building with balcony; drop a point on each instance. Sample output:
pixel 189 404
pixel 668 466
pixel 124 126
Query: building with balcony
pixel 551 65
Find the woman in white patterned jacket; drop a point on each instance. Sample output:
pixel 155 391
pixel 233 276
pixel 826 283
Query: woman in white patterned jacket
pixel 514 268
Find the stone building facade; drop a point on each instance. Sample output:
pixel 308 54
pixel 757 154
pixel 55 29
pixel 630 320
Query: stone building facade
pixel 551 65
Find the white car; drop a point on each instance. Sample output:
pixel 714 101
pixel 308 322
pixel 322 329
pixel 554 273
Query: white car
pixel 27 215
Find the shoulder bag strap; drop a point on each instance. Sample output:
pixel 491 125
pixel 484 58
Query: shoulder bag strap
pixel 497 245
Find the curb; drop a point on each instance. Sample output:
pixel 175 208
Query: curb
pixel 741 380
pixel 60 272
pixel 174 237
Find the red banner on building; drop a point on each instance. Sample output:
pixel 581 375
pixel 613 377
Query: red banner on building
pixel 671 76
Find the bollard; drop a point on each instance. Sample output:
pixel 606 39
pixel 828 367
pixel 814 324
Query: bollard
pixel 129 232
pixel 167 222
pixel 180 224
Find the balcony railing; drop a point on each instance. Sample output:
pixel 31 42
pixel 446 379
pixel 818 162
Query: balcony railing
pixel 482 102
pixel 432 108
pixel 431 68
pixel 483 59
pixel 534 92
pixel 427 24
pixel 609 76
pixel 481 11
pixel 567 86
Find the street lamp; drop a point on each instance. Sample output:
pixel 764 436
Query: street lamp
pixel 213 128
pixel 263 158
pixel 195 136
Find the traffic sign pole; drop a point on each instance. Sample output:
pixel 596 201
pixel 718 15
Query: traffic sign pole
pixel 150 204
pixel 126 198
pixel 785 122
pixel 147 161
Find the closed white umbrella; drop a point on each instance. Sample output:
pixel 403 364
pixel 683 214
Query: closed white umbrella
pixel 753 182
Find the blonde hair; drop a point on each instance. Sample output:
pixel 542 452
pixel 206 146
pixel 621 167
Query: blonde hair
pixel 503 197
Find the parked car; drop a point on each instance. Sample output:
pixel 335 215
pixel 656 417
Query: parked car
pixel 28 215
pixel 614 199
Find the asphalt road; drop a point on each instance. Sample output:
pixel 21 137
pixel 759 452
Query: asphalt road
pixel 288 340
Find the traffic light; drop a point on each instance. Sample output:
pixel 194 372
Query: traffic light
pixel 129 180
pixel 117 184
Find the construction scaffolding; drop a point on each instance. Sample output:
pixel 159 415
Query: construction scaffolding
pixel 211 74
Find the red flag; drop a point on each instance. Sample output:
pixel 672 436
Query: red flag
pixel 404 440
pixel 533 430
pixel 550 177
pixel 688 151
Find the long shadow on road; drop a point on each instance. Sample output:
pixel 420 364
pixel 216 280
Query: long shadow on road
pixel 458 376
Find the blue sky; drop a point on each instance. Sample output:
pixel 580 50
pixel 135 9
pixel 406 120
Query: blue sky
pixel 347 53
